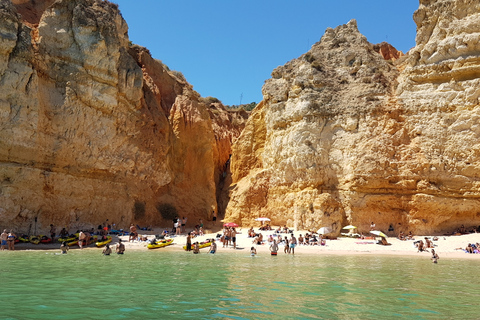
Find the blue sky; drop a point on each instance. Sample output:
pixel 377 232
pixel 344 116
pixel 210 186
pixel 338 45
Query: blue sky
pixel 228 48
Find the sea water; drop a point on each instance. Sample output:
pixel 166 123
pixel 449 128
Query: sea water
pixel 156 284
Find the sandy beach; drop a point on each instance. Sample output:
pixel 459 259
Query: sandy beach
pixel 445 246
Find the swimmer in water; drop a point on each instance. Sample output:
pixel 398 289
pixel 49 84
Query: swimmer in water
pixel 213 247
pixel 64 247
pixel 253 251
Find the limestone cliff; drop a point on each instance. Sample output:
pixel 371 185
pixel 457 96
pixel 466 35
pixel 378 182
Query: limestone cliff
pixel 344 136
pixel 92 128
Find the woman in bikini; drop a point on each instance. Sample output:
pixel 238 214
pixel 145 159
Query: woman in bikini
pixel 11 240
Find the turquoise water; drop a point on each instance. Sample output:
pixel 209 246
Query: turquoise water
pixel 180 285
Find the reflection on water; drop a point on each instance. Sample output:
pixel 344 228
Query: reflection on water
pixel 155 284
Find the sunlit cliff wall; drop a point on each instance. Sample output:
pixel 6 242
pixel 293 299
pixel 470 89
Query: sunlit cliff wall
pixel 344 136
pixel 93 128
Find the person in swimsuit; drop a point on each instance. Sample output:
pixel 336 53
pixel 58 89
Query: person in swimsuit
pixel 3 238
pixel 213 247
pixel 64 247
pixel 178 227
pixel 253 251
pixel 81 238
pixel 286 248
pixel 120 249
pixel 133 233
pixel 11 240
pixel 435 256
pixel 234 238
pixel 52 232
pixel 184 223
pixel 274 248
pixel 107 251
pixel 226 233
pixel 293 244
pixel 189 242
pixel 63 233
pixel 196 248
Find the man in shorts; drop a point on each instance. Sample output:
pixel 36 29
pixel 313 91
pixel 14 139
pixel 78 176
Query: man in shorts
pixel 52 232
pixel 81 238
pixel 3 238
pixel 233 234
pixel 293 244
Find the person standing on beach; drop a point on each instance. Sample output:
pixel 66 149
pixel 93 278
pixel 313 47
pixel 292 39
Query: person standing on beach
pixel 435 256
pixel 11 240
pixel 234 238
pixel 184 223
pixel 372 226
pixel 189 242
pixel 81 238
pixel 88 236
pixel 293 244
pixel 274 248
pixel 178 227
pixel 133 233
pixel 286 248
pixel 52 232
pixel 3 238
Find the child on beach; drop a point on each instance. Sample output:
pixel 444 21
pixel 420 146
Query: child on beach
pixel 253 251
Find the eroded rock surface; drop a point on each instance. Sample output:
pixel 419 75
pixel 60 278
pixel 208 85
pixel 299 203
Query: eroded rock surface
pixel 92 128
pixel 345 137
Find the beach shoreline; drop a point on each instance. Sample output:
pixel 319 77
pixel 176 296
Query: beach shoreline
pixel 445 246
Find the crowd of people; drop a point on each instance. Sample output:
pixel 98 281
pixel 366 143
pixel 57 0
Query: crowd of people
pixel 280 237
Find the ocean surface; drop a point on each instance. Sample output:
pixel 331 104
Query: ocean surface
pixel 179 285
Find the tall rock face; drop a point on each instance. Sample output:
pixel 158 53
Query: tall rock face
pixel 92 128
pixel 344 136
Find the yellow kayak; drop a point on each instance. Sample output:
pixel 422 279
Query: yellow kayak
pixel 67 239
pixel 160 244
pixel 75 242
pixel 34 239
pixel 102 243
pixel 203 244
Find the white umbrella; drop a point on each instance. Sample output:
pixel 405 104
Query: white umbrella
pixel 262 219
pixel 378 233
pixel 324 230
pixel 349 227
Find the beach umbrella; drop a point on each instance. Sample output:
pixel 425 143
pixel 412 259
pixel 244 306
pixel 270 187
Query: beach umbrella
pixel 262 219
pixel 324 230
pixel 349 227
pixel 230 224
pixel 378 233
